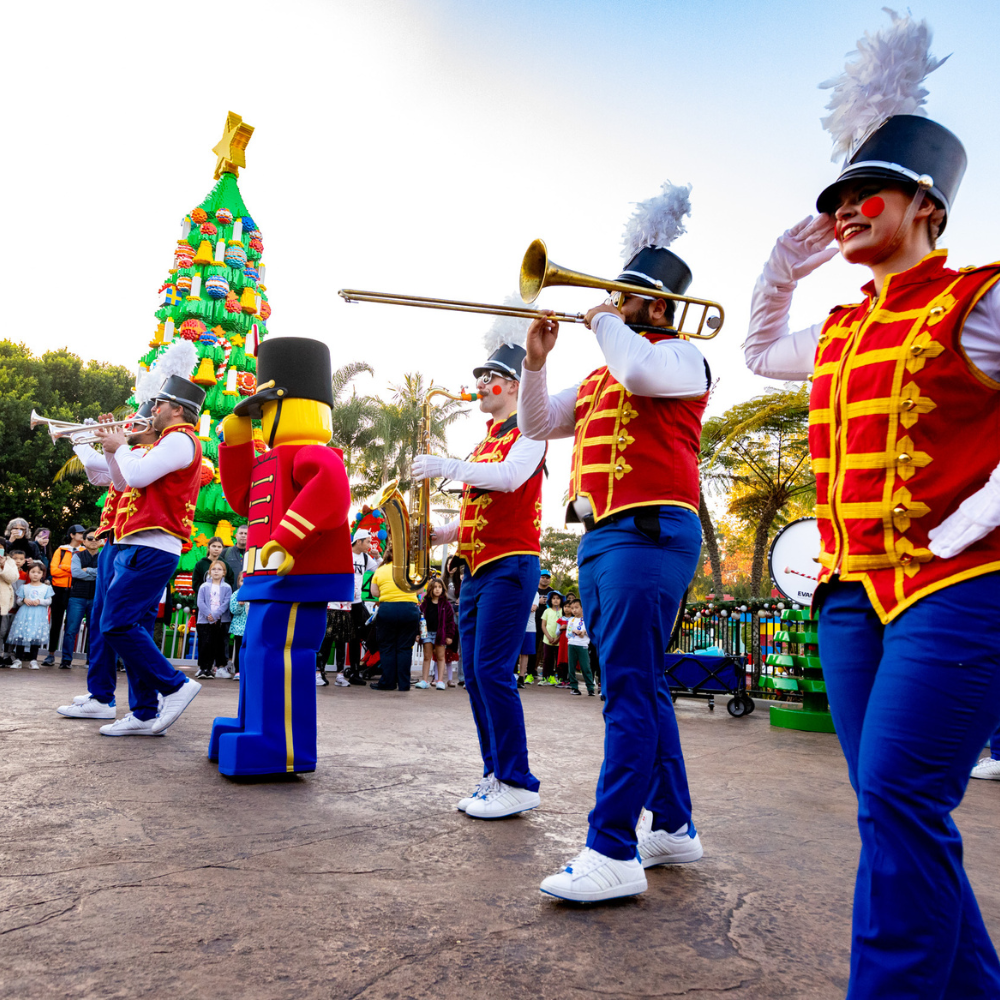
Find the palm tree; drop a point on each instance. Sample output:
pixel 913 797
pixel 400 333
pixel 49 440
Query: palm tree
pixel 757 452
pixel 397 438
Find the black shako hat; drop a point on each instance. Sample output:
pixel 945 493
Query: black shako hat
pixel 659 268
pixel 906 149
pixel 289 368
pixel 506 360
pixel 182 391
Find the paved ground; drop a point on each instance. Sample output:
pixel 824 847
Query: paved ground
pixel 130 868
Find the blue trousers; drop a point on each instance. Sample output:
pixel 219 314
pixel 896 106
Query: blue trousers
pixel 140 574
pixel 631 587
pixel 275 731
pixel 913 702
pixel 491 614
pixel 396 626
pixel 995 745
pixel 77 609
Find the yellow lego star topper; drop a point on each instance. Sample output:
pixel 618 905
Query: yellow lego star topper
pixel 230 147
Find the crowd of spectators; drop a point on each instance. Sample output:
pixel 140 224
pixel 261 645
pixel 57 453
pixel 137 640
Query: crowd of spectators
pixel 380 633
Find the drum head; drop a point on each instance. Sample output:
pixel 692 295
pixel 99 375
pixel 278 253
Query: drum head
pixel 792 560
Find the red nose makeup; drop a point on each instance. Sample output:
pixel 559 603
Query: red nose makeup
pixel 497 390
pixel 873 207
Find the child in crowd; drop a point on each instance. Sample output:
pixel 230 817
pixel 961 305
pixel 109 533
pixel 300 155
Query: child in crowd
pixel 31 624
pixel 550 637
pixel 237 625
pixel 339 635
pixel 441 633
pixel 578 648
pixel 9 579
pixel 214 597
pixel 20 558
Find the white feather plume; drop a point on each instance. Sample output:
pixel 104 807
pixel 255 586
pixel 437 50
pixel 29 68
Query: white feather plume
pixel 509 330
pixel 883 77
pixel 657 221
pixel 178 359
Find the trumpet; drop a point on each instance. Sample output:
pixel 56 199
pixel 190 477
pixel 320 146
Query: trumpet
pixel 538 272
pixel 411 548
pixel 85 433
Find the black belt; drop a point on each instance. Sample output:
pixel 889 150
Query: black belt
pixel 652 516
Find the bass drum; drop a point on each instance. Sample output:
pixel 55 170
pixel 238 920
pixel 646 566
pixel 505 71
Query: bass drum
pixel 792 560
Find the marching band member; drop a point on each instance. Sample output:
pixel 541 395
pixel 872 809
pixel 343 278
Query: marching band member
pixel 156 513
pixel 903 415
pixel 298 558
pixel 99 701
pixel 636 423
pixel 498 537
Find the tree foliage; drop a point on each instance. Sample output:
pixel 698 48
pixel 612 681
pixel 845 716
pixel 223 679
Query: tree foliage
pixel 757 454
pixel 59 385
pixel 559 555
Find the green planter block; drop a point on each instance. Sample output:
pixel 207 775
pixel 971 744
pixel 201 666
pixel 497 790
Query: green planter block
pixel 793 717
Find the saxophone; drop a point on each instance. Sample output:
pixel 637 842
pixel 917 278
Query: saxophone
pixel 411 548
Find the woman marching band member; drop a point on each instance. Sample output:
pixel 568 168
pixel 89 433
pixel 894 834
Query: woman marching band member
pixel 903 415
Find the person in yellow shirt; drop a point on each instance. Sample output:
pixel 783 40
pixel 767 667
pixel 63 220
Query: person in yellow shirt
pixel 397 623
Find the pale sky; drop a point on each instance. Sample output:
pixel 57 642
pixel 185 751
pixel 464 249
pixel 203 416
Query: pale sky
pixel 419 147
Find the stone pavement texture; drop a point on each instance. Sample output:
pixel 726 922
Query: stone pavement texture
pixel 131 868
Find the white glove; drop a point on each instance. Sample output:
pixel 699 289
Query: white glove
pixel 429 466
pixel 799 252
pixel 975 519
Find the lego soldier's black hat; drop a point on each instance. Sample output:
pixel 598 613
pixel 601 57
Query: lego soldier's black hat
pixel 289 368
pixel 182 391
pixel 910 150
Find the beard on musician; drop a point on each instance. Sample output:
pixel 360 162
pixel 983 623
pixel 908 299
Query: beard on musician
pixel 637 311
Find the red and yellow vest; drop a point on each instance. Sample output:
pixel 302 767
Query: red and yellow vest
pixel 494 524
pixel 634 451
pixel 902 429
pixel 167 504
pixel 109 514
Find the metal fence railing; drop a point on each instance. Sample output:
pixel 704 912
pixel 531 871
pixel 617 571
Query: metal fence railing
pixel 737 634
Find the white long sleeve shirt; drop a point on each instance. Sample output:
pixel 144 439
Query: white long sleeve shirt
pixel 139 467
pixel 503 477
pixel 94 464
pixel 773 352
pixel 668 369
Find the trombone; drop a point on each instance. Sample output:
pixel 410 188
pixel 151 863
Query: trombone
pixel 538 272
pixel 85 433
pixel 411 548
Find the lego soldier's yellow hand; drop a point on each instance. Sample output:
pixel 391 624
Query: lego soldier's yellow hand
pixel 237 430
pixel 269 549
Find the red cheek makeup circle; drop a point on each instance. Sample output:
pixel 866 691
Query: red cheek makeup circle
pixel 872 208
pixel 497 390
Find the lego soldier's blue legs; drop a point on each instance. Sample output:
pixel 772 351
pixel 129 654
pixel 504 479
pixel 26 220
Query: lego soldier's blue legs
pixel 278 692
pixel 230 725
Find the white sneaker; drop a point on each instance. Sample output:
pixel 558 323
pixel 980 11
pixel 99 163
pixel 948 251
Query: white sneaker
pixel 422 685
pixel 441 686
pixel 502 800
pixel 987 768
pixel 81 698
pixel 657 847
pixel 174 704
pixel 16 665
pixel 480 790
pixel 34 665
pixel 89 708
pixel 321 680
pixel 592 877
pixel 341 681
pixel 130 726
pixel 224 673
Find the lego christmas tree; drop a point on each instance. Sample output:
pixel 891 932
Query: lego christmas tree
pixel 214 296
